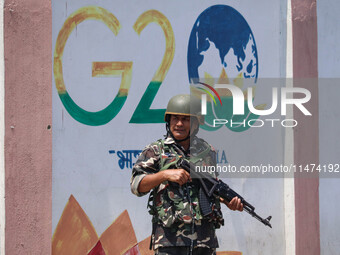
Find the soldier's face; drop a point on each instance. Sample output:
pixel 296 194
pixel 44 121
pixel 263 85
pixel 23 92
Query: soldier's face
pixel 180 126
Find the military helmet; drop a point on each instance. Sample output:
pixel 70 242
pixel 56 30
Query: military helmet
pixel 184 105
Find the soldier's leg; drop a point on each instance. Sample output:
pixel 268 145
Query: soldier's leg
pixel 184 251
pixel 173 251
pixel 204 251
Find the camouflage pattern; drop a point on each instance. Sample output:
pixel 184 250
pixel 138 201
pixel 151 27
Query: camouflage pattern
pixel 177 217
pixel 184 251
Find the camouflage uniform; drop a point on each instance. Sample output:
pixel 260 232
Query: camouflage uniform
pixel 184 250
pixel 177 219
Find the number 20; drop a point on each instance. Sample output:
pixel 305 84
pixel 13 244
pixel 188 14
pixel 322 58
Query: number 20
pixel 143 113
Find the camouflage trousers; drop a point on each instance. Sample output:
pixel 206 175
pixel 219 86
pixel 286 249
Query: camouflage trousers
pixel 185 250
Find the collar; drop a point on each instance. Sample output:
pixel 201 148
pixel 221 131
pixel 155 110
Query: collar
pixel 169 140
pixel 193 143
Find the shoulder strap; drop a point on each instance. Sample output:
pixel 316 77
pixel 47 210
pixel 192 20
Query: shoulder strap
pixel 161 147
pixel 202 155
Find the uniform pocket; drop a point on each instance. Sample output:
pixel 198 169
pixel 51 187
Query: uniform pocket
pixel 181 206
pixel 165 210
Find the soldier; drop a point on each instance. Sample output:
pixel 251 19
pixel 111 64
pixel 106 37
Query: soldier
pixel 178 224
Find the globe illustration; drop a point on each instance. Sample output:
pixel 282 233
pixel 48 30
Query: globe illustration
pixel 222 47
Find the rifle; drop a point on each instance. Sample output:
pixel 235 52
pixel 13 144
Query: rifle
pixel 212 186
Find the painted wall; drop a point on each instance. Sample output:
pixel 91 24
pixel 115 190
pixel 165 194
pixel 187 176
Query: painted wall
pixel 328 65
pixel 28 134
pixel 91 153
pixel 306 140
pixel 2 136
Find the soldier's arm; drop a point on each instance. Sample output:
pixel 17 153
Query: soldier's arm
pixel 147 164
pixel 146 174
pixel 152 180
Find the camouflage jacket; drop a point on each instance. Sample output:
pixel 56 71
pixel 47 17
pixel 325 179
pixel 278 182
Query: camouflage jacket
pixel 177 217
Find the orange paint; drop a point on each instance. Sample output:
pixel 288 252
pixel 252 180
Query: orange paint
pixel 120 236
pixel 85 13
pixel 113 69
pixel 157 17
pixel 75 233
pixel 223 79
pixel 144 247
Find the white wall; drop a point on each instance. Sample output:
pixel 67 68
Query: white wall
pixel 82 165
pixel 329 107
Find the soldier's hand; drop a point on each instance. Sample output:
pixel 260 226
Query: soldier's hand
pixel 177 175
pixel 234 204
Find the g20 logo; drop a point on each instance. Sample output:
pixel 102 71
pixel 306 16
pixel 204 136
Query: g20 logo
pixel 143 113
pixel 210 32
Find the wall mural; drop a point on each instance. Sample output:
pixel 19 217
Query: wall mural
pixel 223 37
pixel 220 32
pixel 143 113
pixel 75 234
pixel 92 146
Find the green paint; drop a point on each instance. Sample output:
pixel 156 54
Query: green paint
pixel 92 118
pixel 143 114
